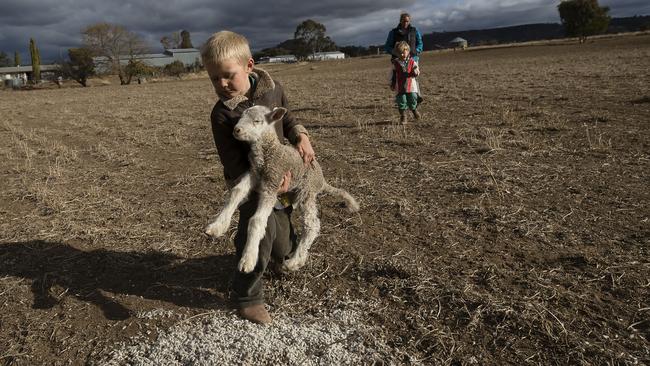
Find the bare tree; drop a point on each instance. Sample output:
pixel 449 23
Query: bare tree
pixel 171 41
pixel 115 45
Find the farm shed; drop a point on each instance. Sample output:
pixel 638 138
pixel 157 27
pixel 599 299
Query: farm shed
pixel 188 56
pixel 458 43
pixel 18 75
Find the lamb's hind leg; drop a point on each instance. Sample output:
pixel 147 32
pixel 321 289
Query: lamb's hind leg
pixel 235 197
pixel 256 231
pixel 311 229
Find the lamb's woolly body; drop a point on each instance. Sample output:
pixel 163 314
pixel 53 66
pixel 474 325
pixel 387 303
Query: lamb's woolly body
pixel 270 160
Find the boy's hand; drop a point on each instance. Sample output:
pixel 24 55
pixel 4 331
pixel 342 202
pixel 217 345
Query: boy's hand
pixel 305 149
pixel 286 182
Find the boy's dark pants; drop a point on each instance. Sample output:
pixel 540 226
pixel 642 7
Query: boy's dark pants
pixel 278 242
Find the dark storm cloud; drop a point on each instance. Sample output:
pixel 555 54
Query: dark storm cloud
pixel 56 24
pixel 625 8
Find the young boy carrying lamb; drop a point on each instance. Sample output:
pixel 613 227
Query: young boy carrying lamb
pixel 239 85
pixel 403 82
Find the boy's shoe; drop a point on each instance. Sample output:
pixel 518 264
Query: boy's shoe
pixel 416 114
pixel 256 314
pixel 402 116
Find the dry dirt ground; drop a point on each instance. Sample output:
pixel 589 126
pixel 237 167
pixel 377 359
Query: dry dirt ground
pixel 509 226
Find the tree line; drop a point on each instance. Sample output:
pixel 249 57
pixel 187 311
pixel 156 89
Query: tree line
pixel 107 44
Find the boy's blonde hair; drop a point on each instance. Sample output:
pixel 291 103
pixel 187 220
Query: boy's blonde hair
pixel 225 45
pixel 401 46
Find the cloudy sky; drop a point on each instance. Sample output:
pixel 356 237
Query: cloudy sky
pixel 56 25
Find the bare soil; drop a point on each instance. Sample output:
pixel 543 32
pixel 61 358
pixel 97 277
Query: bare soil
pixel 509 226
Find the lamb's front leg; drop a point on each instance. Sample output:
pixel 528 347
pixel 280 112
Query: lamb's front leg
pixel 235 197
pixel 256 231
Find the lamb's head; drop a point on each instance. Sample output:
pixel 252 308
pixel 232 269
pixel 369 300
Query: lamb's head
pixel 256 121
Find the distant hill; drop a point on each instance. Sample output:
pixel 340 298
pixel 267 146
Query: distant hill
pixel 524 33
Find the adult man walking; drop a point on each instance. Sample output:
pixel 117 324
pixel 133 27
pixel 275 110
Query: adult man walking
pixel 407 33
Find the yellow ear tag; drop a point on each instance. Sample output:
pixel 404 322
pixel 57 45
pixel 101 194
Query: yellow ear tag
pixel 284 200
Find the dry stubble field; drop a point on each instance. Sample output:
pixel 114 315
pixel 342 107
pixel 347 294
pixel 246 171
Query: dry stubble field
pixel 510 226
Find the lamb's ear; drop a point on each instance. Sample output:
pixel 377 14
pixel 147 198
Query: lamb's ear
pixel 276 114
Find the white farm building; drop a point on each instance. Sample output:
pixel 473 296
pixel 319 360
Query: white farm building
pixel 458 43
pixel 19 75
pixel 320 56
pixel 278 58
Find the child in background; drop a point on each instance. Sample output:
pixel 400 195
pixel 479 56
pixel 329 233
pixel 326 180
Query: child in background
pixel 403 82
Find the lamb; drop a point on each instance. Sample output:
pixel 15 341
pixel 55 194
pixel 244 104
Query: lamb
pixel 269 161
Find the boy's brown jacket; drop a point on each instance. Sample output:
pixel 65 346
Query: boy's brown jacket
pixel 226 113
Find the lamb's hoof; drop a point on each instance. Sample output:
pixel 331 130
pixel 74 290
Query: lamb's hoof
pixel 293 264
pixel 353 207
pixel 247 264
pixel 216 229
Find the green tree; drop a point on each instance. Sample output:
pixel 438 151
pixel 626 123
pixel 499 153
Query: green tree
pixel 137 68
pixel 16 58
pixel 80 66
pixel 4 60
pixel 114 44
pixel 310 37
pixel 36 61
pixel 328 45
pixel 583 18
pixel 175 68
pixel 186 42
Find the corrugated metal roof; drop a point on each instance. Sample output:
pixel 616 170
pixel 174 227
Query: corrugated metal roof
pixel 146 55
pixel 135 57
pixel 182 50
pixel 17 69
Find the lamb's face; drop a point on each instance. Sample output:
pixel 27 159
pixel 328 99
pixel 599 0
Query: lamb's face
pixel 255 121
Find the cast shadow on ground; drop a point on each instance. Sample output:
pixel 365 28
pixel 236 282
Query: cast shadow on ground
pixel 85 274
